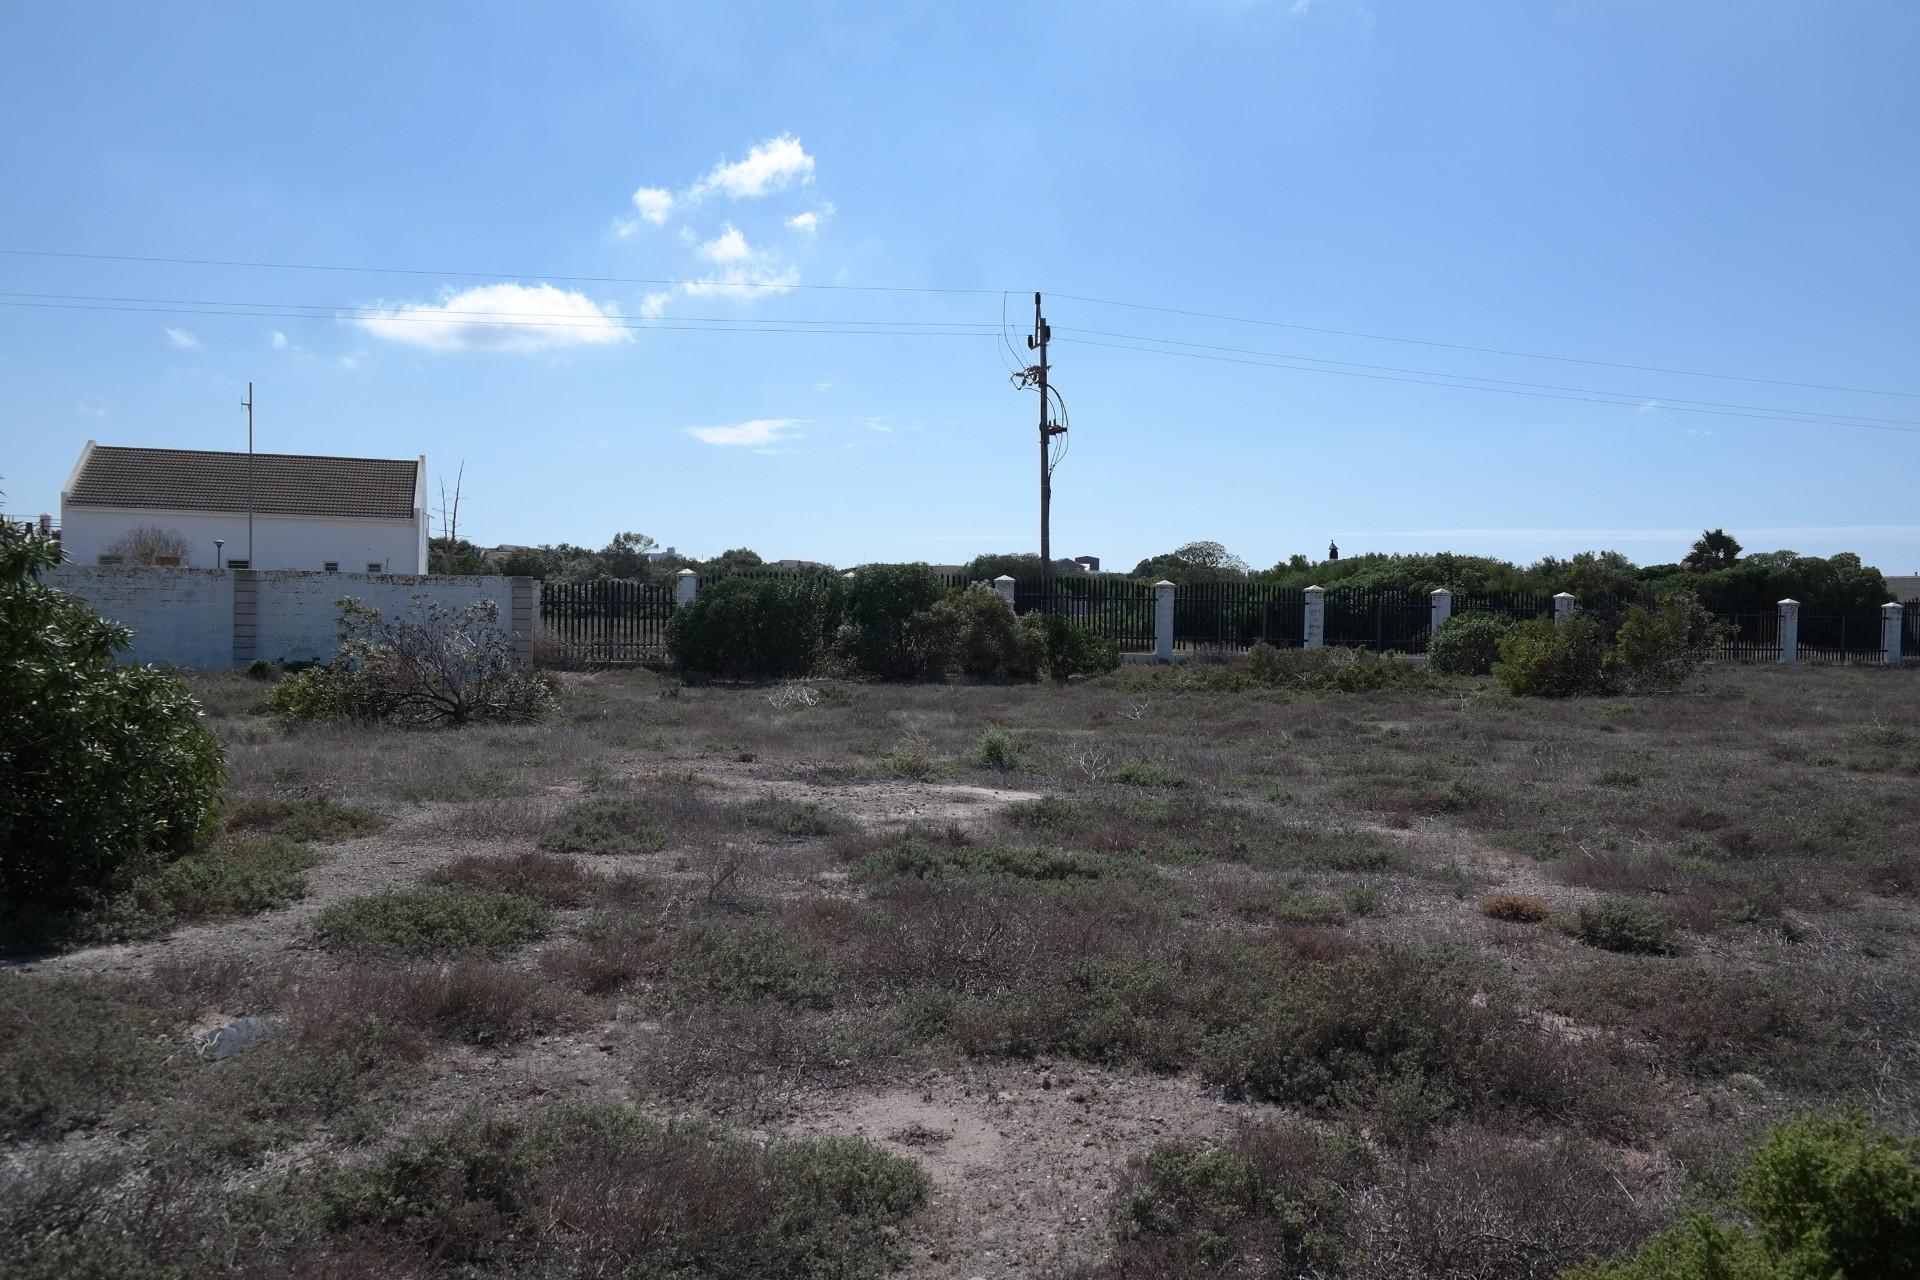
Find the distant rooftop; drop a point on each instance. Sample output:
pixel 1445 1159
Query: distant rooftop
pixel 273 483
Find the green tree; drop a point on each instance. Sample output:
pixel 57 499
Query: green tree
pixel 1193 562
pixel 1713 549
pixel 102 766
pixel 732 561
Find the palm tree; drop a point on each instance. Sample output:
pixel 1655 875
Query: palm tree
pixel 1714 549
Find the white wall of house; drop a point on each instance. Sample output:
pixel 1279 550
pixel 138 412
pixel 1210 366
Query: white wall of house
pixel 188 617
pixel 279 541
pixel 179 617
pixel 299 615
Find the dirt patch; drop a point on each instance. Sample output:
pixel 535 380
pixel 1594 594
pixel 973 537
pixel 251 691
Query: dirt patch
pixel 1024 1159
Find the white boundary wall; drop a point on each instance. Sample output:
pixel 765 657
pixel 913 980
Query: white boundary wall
pixel 212 618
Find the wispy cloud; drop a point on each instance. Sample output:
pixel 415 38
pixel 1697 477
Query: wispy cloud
pixel 279 340
pixel 755 433
pixel 728 246
pixel 653 204
pixel 499 317
pixel 181 339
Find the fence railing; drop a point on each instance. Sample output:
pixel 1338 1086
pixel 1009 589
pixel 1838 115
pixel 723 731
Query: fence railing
pixel 604 622
pixel 616 622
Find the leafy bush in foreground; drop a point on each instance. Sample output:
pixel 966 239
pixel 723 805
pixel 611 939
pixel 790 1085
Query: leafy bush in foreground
pixel 430 922
pixel 1825 1199
pixel 431 665
pixel 101 765
pixel 1540 659
pixel 1468 644
pixel 757 628
pixel 1654 648
pixel 1331 670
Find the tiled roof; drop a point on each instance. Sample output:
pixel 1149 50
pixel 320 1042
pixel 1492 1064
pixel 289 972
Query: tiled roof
pixel 281 483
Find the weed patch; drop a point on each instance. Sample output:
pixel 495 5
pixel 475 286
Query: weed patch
pixel 314 818
pixel 429 922
pixel 605 825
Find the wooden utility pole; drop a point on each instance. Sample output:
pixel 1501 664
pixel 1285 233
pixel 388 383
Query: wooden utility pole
pixel 1037 341
pixel 248 405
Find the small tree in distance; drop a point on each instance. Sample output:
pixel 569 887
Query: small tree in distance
pixel 1713 549
pixel 150 545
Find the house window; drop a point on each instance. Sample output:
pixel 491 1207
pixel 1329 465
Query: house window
pixel 373 566
pixel 111 560
pixel 333 566
pixel 239 564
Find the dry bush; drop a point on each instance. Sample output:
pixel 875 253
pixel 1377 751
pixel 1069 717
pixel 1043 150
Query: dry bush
pixel 543 877
pixel 1516 908
pixel 609 950
pixel 471 1001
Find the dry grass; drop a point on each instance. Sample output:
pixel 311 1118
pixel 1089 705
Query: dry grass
pixel 1282 895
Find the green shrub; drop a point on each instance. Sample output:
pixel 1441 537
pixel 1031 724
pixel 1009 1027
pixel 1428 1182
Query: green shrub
pixel 757 628
pixel 919 859
pixel 797 818
pixel 1147 773
pixel 1617 924
pixel 996 749
pixel 1326 670
pixel 261 669
pixel 430 922
pixel 1825 1199
pixel 232 876
pixel 1279 1191
pixel 606 1190
pixel 605 825
pixel 721 963
pixel 312 818
pixel 428 666
pixel 1468 644
pixel 982 637
pixel 1659 648
pixel 891 628
pixel 102 766
pixel 1542 659
pixel 1071 648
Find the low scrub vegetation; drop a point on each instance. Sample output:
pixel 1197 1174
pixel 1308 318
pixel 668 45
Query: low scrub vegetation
pixel 1468 644
pixel 429 666
pixel 1654 647
pixel 430 922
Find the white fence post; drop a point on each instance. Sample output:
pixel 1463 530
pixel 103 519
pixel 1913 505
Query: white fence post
pixel 1004 585
pixel 686 585
pixel 1891 616
pixel 1563 603
pixel 1442 601
pixel 1315 627
pixel 1162 620
pixel 1789 630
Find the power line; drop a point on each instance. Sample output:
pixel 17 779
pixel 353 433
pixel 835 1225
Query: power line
pixel 465 275
pixel 1626 402
pixel 326 310
pixel 959 291
pixel 1491 351
pixel 611 322
pixel 1509 382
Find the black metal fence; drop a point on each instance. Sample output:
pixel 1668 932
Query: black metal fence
pixel 605 622
pixel 1117 609
pixel 609 622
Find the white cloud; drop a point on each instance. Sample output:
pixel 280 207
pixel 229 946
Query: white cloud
pixel 350 362
pixel 807 222
pixel 181 339
pixel 772 165
pixel 655 204
pixel 279 340
pixel 499 317
pixel 654 305
pixel 728 246
pixel 756 433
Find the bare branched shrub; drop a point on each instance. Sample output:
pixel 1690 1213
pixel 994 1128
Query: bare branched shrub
pixel 1094 763
pixel 150 545
pixel 429 666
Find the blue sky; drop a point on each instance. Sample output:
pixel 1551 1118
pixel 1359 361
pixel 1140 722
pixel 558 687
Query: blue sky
pixel 1715 187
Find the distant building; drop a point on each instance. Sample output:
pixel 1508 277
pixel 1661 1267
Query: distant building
pixel 1333 551
pixel 668 553
pixel 1090 563
pixel 350 515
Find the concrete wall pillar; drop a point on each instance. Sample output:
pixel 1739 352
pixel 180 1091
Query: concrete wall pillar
pixel 523 616
pixel 1441 602
pixel 246 616
pixel 1004 585
pixel 1315 629
pixel 1891 617
pixel 686 585
pixel 1163 620
pixel 1789 630
pixel 1563 607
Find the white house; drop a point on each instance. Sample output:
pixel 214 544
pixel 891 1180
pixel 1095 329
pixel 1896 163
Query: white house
pixel 269 510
